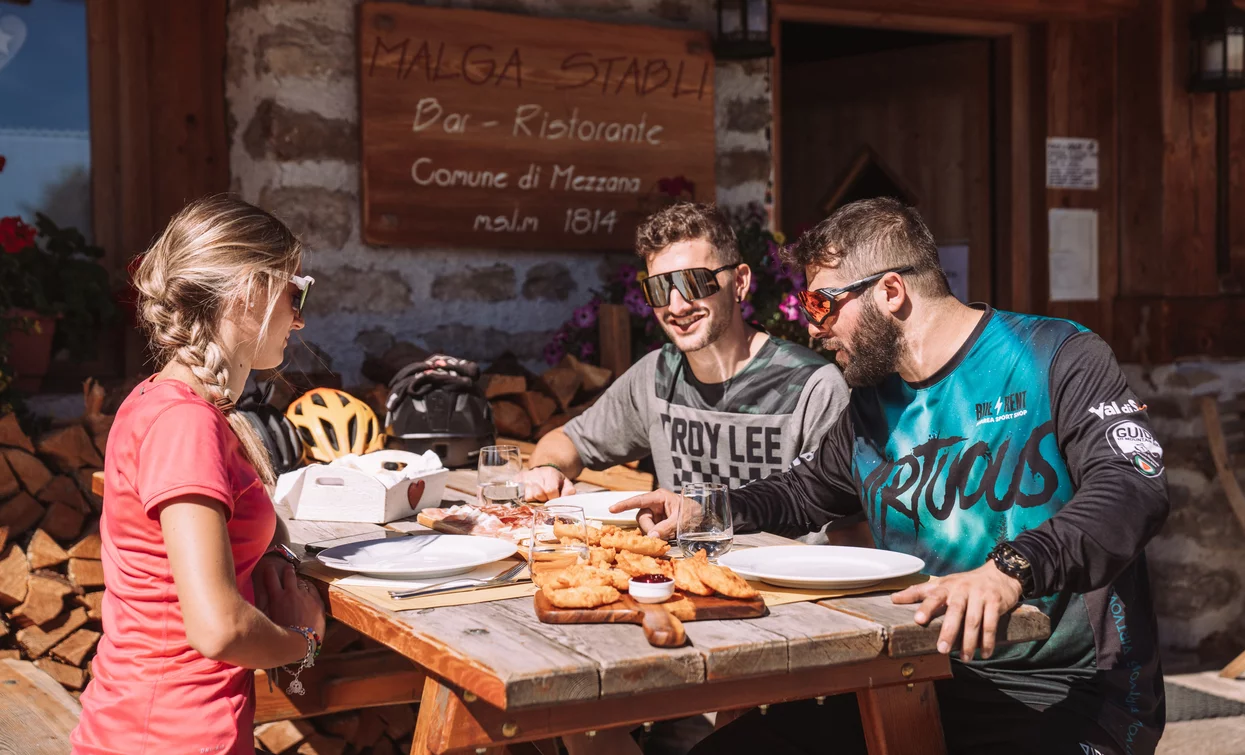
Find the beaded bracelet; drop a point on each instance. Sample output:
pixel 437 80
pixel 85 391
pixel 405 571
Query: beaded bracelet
pixel 313 651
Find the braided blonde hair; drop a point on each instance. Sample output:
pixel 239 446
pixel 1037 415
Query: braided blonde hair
pixel 217 253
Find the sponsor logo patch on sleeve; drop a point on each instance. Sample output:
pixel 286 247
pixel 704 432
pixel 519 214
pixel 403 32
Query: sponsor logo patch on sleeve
pixel 1113 408
pixel 1138 445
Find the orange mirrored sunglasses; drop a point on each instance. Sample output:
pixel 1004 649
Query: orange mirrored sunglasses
pixel 822 304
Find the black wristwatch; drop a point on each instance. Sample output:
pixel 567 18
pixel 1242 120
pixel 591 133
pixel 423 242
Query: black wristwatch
pixel 1013 564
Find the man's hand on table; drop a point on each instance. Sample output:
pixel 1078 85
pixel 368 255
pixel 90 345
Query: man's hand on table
pixel 974 600
pixel 545 484
pixel 659 512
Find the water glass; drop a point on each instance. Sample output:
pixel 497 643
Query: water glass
pixel 498 464
pixel 704 519
pixel 559 537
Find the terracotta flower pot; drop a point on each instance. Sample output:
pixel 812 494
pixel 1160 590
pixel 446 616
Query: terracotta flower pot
pixel 30 352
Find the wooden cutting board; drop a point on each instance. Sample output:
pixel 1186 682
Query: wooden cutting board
pixel 440 525
pixel 661 629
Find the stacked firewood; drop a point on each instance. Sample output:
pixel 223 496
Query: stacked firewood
pixel 51 576
pixel 52 585
pixel 528 406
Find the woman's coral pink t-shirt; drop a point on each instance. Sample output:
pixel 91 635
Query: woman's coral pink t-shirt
pixel 150 691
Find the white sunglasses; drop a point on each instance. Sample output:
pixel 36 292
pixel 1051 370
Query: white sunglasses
pixel 303 284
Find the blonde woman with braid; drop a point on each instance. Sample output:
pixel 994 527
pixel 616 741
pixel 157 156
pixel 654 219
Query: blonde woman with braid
pixel 186 514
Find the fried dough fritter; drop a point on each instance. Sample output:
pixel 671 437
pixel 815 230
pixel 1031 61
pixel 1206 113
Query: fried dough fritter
pixel 636 564
pixel 598 556
pixel 680 608
pixel 591 596
pixel 722 580
pixel 583 575
pixel 633 541
pixel 565 531
pixel 685 578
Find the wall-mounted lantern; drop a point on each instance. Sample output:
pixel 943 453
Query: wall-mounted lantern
pixel 1217 64
pixel 743 30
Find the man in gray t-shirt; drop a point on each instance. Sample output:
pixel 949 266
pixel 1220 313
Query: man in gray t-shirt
pixel 722 402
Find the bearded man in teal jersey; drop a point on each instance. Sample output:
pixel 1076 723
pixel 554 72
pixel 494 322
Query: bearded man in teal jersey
pixel 1009 453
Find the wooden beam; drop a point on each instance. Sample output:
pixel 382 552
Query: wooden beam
pixel 805 11
pixel 36 713
pixel 344 681
pixel 452 720
pixel 902 720
pixel 1018 11
pixel 1159 330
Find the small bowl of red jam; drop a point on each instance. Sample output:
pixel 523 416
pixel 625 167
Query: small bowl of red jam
pixel 651 588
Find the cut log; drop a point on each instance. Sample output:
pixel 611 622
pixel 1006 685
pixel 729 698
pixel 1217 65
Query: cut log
pixel 558 420
pixel 63 521
pixel 8 481
pixel 70 448
pixel 44 552
pixel 70 677
pixel 86 482
pixel 38 640
pixel 88 547
pixel 4 535
pixel 384 746
pixel 283 736
pixel 45 600
pixel 64 490
pixel 10 655
pixel 4 626
pixel 538 406
pixel 93 602
pixel 93 418
pixel 77 647
pixel 510 419
pixel 371 729
pixel 20 513
pixel 14 576
pixel 399 720
pixel 101 443
pixel 561 383
pixel 86 572
pixel 319 744
pixel 595 378
pixel 11 434
pixel 502 385
pixel 344 725
pixel 29 470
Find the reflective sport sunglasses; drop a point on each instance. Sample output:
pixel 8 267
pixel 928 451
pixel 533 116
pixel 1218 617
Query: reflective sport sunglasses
pixel 822 304
pixel 693 283
pixel 303 284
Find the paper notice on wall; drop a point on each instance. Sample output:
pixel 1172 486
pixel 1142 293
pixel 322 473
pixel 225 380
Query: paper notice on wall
pixel 954 260
pixel 1073 255
pixel 1071 163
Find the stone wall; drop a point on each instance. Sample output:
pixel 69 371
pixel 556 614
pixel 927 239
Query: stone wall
pixel 293 110
pixel 1197 563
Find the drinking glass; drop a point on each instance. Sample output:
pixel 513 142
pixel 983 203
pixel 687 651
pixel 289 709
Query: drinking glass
pixel 704 519
pixel 499 464
pixel 549 550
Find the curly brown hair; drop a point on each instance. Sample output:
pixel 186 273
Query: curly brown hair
pixel 688 221
pixel 869 236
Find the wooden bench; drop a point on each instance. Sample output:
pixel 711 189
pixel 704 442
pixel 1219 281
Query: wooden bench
pixel 1225 433
pixel 36 713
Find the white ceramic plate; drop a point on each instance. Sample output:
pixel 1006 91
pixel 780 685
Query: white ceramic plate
pixel 423 555
pixel 821 566
pixel 596 506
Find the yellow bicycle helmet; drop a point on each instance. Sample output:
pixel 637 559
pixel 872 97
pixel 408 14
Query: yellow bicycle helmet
pixel 332 424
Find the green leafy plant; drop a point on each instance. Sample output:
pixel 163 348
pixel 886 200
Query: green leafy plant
pixel 770 305
pixel 53 272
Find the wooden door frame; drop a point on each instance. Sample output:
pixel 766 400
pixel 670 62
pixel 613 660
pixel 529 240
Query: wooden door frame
pixel 1017 130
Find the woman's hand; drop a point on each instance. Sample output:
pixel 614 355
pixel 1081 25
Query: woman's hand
pixel 290 601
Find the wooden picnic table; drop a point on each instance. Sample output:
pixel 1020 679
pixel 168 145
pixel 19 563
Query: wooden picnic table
pixel 498 677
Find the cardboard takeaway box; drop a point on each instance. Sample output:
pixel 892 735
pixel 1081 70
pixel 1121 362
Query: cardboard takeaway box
pixel 376 488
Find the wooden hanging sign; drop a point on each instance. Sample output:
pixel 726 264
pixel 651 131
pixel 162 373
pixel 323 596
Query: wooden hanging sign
pixel 486 129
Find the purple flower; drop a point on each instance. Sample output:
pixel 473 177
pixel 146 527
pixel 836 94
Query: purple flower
pixel 627 273
pixel 747 310
pixel 561 336
pixel 634 301
pixel 752 287
pixel 584 317
pixel 790 308
pixel 587 350
pixel 554 353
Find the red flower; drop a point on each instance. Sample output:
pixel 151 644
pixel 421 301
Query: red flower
pixel 15 235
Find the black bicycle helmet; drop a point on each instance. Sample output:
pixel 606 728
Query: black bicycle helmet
pixel 285 449
pixel 437 405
